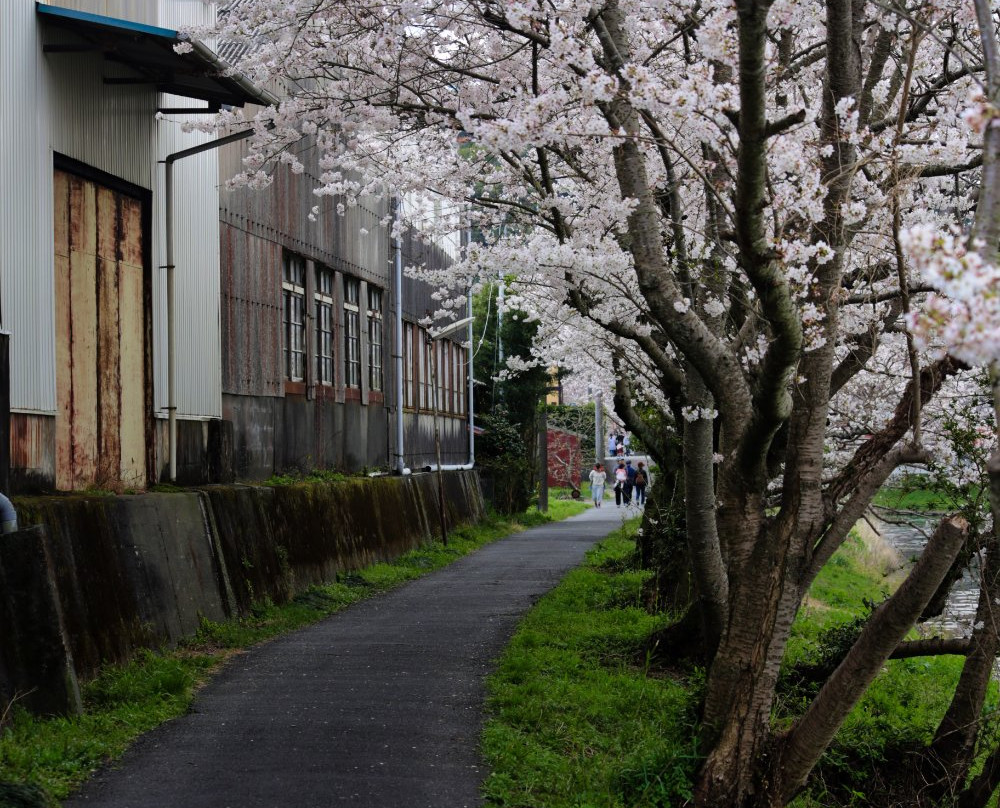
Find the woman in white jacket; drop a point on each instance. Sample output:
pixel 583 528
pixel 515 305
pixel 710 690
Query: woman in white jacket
pixel 597 480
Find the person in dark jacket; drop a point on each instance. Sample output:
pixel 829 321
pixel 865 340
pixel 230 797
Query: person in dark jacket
pixel 621 476
pixel 641 481
pixel 629 482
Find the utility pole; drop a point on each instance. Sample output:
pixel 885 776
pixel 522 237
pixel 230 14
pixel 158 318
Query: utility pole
pixel 598 426
pixel 543 454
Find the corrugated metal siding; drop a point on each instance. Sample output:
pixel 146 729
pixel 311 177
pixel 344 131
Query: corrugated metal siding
pixel 281 215
pixel 108 127
pixel 417 301
pixel 196 277
pixel 180 13
pixel 162 13
pixel 26 258
pixel 251 314
pixel 143 11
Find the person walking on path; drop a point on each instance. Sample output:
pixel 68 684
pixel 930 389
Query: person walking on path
pixel 378 706
pixel 629 482
pixel 621 475
pixel 612 444
pixel 626 444
pixel 640 482
pixel 598 478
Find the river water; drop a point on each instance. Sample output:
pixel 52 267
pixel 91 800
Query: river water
pixel 909 539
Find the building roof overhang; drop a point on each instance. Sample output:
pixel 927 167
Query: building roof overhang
pixel 149 52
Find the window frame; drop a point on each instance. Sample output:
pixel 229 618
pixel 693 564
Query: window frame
pixel 293 291
pixel 324 304
pixel 376 333
pixel 352 333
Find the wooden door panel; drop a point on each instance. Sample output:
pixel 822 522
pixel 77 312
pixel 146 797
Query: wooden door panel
pixel 102 404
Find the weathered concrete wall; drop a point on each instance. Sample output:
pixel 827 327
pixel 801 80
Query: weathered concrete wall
pixel 128 572
pixel 36 664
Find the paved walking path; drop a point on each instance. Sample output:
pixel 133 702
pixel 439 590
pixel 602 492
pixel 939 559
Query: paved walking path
pixel 380 705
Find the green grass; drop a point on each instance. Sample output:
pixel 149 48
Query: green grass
pixel 900 711
pixel 912 499
pixel 124 701
pixel 575 719
pixel 313 476
pixel 561 506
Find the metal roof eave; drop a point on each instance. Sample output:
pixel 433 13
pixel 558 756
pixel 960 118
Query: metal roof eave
pixel 149 51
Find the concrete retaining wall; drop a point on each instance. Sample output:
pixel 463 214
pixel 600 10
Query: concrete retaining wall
pixel 107 575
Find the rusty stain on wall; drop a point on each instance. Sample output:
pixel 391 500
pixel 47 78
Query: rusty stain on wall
pixel 100 336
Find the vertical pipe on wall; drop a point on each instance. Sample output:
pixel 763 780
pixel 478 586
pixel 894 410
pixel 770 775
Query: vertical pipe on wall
pixel 4 412
pixel 398 292
pixel 168 190
pixel 469 400
pixel 598 425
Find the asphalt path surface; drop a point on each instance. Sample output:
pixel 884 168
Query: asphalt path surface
pixel 380 705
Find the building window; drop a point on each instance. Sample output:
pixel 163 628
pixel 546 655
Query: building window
pixel 409 364
pixel 352 332
pixel 459 365
pixel 374 338
pixel 323 300
pixel 423 370
pixel 293 291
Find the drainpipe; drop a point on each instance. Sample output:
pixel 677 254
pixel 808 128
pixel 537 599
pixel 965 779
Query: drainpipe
pixel 469 398
pixel 398 290
pixel 168 187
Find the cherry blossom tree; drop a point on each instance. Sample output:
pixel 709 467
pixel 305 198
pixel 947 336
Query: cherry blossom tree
pixel 732 210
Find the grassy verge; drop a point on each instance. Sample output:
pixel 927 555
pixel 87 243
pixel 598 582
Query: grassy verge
pixel 561 506
pixel 124 701
pixel 577 720
pixel 912 499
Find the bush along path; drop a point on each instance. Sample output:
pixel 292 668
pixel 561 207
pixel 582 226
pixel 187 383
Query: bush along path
pixel 380 705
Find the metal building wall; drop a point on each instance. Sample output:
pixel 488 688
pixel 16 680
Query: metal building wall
pixel 196 248
pixel 179 13
pixel 108 127
pixel 355 242
pixel 144 11
pixel 256 226
pixel 26 252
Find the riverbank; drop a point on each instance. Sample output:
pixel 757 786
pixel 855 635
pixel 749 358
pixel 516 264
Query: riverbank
pixel 579 717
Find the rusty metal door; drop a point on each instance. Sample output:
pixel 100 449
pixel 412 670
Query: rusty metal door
pixel 100 337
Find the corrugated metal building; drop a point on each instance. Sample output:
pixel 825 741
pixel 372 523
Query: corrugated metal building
pixel 308 333
pixel 81 284
pixel 92 101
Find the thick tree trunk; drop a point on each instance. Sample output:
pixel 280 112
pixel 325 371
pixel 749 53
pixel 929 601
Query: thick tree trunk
pixel 743 676
pixel 705 550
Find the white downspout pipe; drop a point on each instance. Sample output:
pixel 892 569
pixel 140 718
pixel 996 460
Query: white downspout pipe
pixel 168 191
pixel 398 291
pixel 469 398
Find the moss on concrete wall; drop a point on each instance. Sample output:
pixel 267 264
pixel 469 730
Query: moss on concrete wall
pixel 141 571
